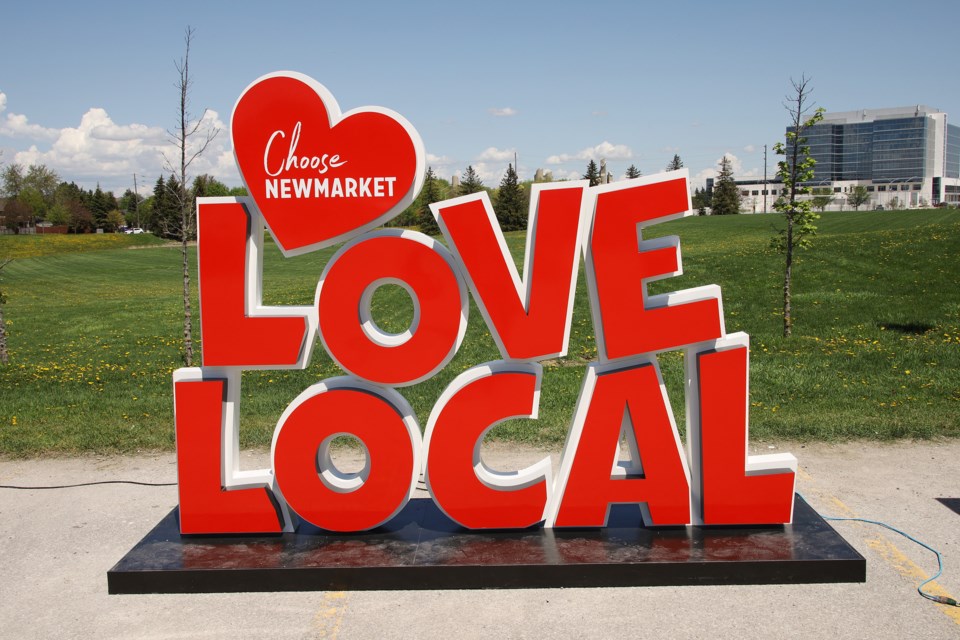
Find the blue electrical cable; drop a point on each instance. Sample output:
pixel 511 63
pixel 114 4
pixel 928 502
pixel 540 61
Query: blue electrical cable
pixel 929 596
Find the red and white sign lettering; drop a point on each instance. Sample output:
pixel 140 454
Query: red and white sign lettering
pixel 318 177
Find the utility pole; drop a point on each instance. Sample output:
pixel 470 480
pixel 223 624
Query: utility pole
pixel 765 189
pixel 136 200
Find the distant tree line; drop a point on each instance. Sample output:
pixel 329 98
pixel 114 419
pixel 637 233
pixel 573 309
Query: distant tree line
pixel 36 194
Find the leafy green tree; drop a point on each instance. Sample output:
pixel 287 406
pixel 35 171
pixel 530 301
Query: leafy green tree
pixel 821 198
pixel 114 220
pixel 633 172
pixel 34 201
pixel 13 177
pixel 44 181
pixel 206 186
pixel 471 182
pixel 725 199
pixel 675 164
pixel 58 215
pixel 858 196
pixel 81 220
pixel 511 203
pixel 795 169
pixel 238 192
pixel 428 195
pixel 17 215
pixel 592 174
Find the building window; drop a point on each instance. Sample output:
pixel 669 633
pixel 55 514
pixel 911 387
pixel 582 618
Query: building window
pixel 755 192
pixel 882 188
pixel 836 189
pixel 916 187
pixel 870 188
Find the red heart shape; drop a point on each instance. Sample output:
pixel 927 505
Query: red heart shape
pixel 320 177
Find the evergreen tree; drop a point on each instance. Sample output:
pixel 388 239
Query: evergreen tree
pixel 726 196
pixel 701 200
pixel 511 204
pixel 592 174
pixel 166 210
pixel 159 205
pixel 675 164
pixel 428 195
pixel 633 172
pixel 470 183
pixel 99 206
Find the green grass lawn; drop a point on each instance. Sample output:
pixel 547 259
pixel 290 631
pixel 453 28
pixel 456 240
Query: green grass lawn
pixel 94 335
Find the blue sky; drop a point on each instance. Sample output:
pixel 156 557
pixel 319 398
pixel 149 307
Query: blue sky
pixel 88 88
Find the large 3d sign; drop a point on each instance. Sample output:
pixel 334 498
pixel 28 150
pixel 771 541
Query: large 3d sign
pixel 318 177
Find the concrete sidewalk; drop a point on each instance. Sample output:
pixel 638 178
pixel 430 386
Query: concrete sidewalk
pixel 57 545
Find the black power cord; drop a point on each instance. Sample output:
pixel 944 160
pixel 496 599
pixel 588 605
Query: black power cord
pixel 89 484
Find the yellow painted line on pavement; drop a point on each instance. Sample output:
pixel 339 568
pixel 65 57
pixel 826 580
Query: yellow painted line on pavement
pixel 891 554
pixel 330 616
pixel 911 571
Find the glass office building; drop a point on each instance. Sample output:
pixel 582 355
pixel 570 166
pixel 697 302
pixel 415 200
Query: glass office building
pixel 905 157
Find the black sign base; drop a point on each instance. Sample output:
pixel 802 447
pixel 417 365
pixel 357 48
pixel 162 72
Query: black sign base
pixel 422 549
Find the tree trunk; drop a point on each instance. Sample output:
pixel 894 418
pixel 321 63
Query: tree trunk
pixel 4 356
pixel 787 276
pixel 187 321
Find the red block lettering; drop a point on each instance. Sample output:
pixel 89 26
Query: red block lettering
pixel 462 486
pixel 427 271
pixel 529 319
pixel 232 337
pixel 205 505
pixel 306 477
pixel 619 265
pixel 737 488
pixel 631 400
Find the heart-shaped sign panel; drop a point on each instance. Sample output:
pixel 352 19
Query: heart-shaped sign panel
pixel 320 177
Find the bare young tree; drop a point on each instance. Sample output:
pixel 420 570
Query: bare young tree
pixel 190 142
pixel 795 170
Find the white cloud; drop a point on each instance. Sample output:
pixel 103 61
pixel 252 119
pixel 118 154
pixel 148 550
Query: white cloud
pixel 739 173
pixel 605 149
pixel 99 150
pixel 567 175
pixel 505 112
pixel 16 125
pixel 492 154
pixel 435 159
pixel 749 148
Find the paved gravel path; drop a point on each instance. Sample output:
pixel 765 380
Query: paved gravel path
pixel 56 547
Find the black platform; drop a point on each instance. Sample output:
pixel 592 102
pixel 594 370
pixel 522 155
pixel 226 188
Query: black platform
pixel 422 549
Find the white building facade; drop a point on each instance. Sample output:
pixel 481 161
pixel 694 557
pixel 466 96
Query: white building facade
pixel 906 158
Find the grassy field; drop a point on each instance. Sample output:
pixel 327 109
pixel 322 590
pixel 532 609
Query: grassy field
pixel 94 335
